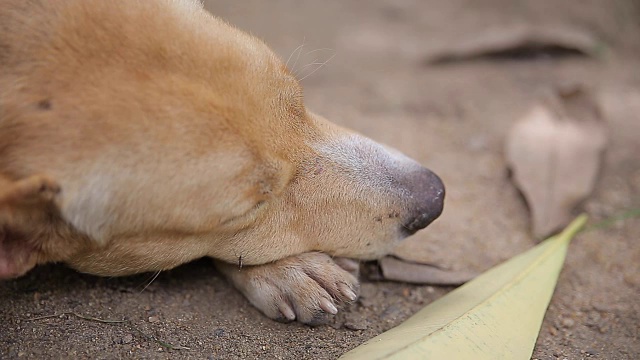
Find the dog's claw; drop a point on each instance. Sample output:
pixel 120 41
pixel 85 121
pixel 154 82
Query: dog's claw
pixel 287 312
pixel 347 292
pixel 327 305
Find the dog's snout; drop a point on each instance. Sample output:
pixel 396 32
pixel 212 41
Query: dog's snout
pixel 427 200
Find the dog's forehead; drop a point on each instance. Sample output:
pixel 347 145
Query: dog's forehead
pixel 182 65
pixel 246 64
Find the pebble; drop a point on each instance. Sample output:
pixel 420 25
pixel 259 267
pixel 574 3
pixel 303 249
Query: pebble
pixel 603 329
pixel 416 296
pixel 355 323
pixel 359 325
pixel 367 302
pixel 154 319
pixel 127 339
pixel 567 323
pixel 391 313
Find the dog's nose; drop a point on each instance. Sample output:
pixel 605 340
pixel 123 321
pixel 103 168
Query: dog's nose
pixel 427 200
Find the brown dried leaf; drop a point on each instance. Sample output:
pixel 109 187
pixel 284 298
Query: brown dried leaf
pixel 517 40
pixel 400 270
pixel 555 154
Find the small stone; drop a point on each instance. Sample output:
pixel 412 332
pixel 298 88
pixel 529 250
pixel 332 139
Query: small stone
pixel 603 329
pixel 392 313
pixel 355 323
pixel 416 297
pixel 366 302
pixel 218 332
pixel 593 318
pixel 127 339
pixel 359 325
pixel 591 352
pixel 567 323
pixel 154 319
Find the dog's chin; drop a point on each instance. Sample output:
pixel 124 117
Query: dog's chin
pixel 392 244
pixel 386 247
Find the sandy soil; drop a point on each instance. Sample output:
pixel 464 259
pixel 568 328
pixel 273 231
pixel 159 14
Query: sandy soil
pixel 453 118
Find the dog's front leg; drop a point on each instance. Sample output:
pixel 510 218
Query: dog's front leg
pixel 34 187
pixel 306 287
pixel 24 220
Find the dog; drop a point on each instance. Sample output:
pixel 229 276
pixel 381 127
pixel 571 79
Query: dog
pixel 136 136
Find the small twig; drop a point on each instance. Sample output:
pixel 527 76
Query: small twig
pixel 44 317
pixel 164 344
pixel 84 317
pixel 90 318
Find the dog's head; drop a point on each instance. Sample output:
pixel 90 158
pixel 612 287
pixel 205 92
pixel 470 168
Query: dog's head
pixel 165 124
pixel 313 184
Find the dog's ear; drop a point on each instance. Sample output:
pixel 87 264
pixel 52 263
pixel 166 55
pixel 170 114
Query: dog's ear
pixel 21 202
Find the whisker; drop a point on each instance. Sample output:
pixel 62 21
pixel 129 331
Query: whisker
pixel 299 51
pixel 314 62
pixel 152 280
pixel 299 48
pixel 319 67
pixel 321 49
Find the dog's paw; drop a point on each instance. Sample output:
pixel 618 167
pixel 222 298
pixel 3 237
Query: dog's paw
pixel 308 287
pixel 34 188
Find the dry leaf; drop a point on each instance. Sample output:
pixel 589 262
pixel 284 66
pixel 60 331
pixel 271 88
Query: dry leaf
pixel 496 316
pixel 555 153
pixel 517 40
pixel 396 269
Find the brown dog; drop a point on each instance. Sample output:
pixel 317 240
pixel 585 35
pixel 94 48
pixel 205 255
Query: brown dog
pixel 139 135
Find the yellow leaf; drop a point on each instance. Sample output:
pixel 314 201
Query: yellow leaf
pixel 496 316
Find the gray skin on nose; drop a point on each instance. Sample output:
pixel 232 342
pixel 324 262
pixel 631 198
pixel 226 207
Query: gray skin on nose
pixel 426 202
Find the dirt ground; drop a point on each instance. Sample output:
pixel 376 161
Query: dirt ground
pixel 451 117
